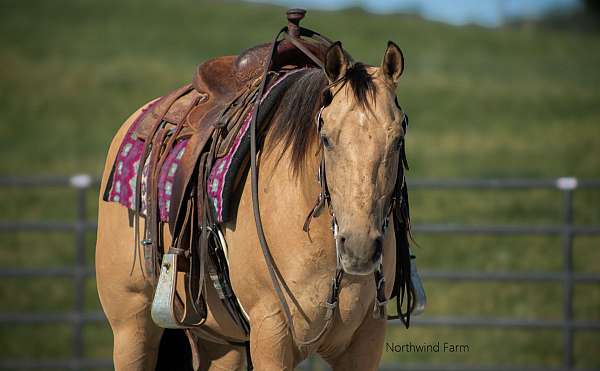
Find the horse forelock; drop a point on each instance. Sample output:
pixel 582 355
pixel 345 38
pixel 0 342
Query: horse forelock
pixel 293 126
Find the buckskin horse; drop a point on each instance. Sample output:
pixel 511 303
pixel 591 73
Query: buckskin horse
pixel 284 286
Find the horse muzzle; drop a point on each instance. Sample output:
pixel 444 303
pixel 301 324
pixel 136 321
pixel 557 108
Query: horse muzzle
pixel 359 256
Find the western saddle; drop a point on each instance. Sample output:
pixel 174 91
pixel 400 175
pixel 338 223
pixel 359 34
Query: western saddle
pixel 209 113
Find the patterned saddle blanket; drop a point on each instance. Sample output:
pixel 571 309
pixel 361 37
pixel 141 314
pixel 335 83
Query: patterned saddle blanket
pixel 222 181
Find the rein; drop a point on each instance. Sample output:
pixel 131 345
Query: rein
pixel 332 298
pixel 397 211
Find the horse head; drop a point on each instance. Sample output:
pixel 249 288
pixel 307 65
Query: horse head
pixel 362 132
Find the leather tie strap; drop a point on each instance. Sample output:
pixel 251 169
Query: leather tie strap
pixel 304 50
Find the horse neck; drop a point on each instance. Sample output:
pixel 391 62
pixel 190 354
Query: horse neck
pixel 303 191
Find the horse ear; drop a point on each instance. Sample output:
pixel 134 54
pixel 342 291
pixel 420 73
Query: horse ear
pixel 336 62
pixel 393 62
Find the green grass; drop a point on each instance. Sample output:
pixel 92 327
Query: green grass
pixel 508 102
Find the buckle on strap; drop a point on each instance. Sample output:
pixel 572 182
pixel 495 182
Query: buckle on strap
pixel 332 301
pixel 379 281
pixel 379 303
pixel 334 291
pixel 379 309
pixel 178 251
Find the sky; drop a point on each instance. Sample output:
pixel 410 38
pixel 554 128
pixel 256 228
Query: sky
pixel 484 12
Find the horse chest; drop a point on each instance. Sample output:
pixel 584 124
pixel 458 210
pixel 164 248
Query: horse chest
pixel 356 298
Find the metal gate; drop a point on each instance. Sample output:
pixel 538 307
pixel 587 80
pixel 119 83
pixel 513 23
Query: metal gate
pixel 77 317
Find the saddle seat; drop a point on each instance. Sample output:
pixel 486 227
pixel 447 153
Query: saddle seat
pixel 217 83
pixel 224 78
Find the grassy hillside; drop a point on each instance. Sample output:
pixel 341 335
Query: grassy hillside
pixel 482 102
pixel 510 102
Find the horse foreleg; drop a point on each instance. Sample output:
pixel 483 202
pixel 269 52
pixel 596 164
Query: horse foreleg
pixel 136 341
pixel 365 349
pixel 271 345
pixel 126 298
pixel 220 357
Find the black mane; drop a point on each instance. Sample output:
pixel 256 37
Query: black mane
pixel 294 122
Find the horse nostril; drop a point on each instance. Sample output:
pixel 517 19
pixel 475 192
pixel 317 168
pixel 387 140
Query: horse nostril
pixel 340 244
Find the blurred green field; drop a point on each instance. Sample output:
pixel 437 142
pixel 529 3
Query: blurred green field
pixel 483 103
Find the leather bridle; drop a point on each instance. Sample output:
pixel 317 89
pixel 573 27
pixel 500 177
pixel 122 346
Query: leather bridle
pixel 323 200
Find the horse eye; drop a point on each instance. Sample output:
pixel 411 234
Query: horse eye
pixel 326 141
